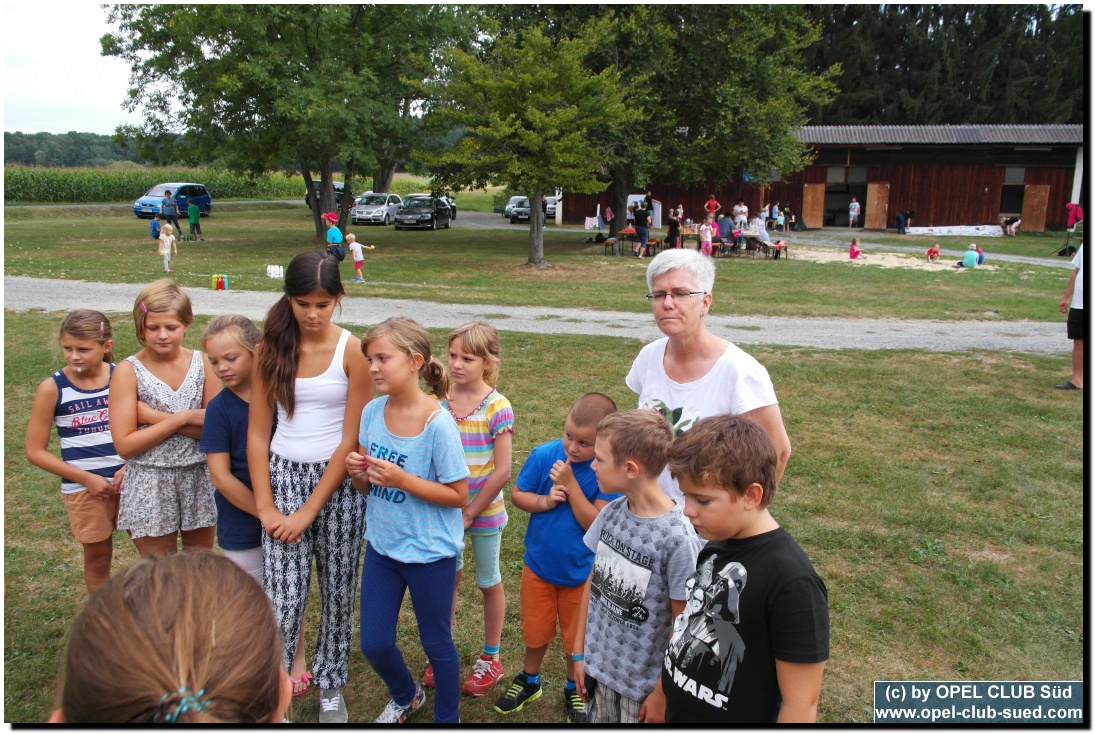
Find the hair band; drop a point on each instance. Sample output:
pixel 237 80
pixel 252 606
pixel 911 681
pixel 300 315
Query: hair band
pixel 186 702
pixel 143 307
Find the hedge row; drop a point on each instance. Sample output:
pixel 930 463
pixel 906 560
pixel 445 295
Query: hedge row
pixel 125 184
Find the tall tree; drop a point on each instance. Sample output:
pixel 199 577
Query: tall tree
pixel 533 116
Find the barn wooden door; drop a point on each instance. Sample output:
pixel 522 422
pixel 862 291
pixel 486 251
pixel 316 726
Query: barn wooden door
pixel 877 212
pixel 813 205
pixel 1035 203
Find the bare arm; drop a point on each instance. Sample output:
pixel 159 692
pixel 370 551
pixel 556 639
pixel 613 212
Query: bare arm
pixel 580 640
pixel 128 439
pixel 220 471
pixel 535 502
pixel 503 470
pixel 583 509
pixel 1066 301
pixel 772 420
pixel 653 708
pixel 260 421
pixel 383 473
pixel 800 687
pixel 37 445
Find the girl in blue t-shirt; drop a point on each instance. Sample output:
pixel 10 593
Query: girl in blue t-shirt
pixel 229 343
pixel 411 463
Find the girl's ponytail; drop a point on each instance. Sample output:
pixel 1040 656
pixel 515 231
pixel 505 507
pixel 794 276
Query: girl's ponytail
pixel 436 378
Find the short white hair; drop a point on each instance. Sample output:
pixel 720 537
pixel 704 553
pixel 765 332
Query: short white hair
pixel 701 267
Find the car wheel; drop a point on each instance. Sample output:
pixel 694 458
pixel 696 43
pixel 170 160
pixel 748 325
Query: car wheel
pixel 433 223
pixel 448 224
pixel 386 220
pixel 513 220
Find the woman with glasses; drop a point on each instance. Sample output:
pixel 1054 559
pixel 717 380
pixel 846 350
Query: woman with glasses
pixel 690 373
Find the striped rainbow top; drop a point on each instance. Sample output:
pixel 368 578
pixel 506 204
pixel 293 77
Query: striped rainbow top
pixel 81 418
pixel 477 431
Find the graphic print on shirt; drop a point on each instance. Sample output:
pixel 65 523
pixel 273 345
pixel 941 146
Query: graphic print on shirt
pixel 705 648
pixel 391 494
pixel 681 419
pixel 620 579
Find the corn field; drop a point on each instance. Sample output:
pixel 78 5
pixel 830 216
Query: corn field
pixel 26 185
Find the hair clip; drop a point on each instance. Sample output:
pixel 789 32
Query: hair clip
pixel 101 330
pixel 143 307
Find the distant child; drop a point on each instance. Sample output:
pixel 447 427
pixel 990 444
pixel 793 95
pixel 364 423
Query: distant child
pixel 933 253
pixel 751 644
pixel 185 638
pixel 781 219
pixel 167 246
pixel 411 463
pixel 334 237
pixel 485 420
pixel 980 255
pixel 74 399
pixel 707 231
pixel 356 250
pixel 970 259
pixel 558 487
pixel 194 215
pixel 229 342
pixel 646 550
pixel 154 228
pixel 157 408
pixel 853 250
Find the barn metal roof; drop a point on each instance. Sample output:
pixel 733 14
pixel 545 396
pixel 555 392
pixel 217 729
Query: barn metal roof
pixel 942 134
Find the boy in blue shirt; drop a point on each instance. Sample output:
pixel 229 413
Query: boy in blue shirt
pixel 558 488
pixel 154 228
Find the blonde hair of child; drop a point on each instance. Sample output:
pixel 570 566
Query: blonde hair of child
pixel 167 229
pixel 638 434
pixel 408 336
pixel 236 326
pixel 175 638
pixel 351 237
pixel 481 339
pixel 89 324
pixel 161 296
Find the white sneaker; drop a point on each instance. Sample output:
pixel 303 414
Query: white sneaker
pixel 394 713
pixel 332 707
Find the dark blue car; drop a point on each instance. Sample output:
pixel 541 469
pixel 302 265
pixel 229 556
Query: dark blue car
pixel 148 206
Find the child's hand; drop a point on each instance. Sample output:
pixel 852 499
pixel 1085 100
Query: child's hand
pixel 383 473
pixel 356 464
pixel 271 520
pixel 371 247
pixel 101 488
pixel 557 494
pixel 192 417
pixel 469 518
pixel 295 524
pixel 561 472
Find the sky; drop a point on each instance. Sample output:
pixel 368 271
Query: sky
pixel 55 79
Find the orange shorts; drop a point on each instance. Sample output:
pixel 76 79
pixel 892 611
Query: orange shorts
pixel 542 604
pixel 90 520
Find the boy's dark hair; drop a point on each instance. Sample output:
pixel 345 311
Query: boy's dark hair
pixel 590 409
pixel 640 435
pixel 730 452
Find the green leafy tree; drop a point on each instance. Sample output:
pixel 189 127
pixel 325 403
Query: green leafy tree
pixel 535 117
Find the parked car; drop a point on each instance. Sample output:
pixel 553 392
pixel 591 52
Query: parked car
pixel 448 202
pixel 340 188
pixel 522 210
pixel 511 204
pixel 148 206
pixel 423 212
pixel 373 208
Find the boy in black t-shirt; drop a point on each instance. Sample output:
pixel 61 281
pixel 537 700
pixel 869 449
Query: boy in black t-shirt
pixel 753 639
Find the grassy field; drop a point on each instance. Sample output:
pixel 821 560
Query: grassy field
pixel 939 496
pixel 487 267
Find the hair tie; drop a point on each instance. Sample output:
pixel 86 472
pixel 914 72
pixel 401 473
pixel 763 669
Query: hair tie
pixel 143 307
pixel 100 330
pixel 186 702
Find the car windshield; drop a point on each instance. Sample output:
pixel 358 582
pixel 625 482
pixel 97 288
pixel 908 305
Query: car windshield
pixel 159 190
pixel 523 203
pixel 418 203
pixel 375 200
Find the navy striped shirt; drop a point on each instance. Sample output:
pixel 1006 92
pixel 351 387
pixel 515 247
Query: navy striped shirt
pixel 81 417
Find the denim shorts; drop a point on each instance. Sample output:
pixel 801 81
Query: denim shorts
pixel 487 552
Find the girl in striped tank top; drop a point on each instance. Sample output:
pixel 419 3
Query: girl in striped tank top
pixel 485 419
pixel 74 399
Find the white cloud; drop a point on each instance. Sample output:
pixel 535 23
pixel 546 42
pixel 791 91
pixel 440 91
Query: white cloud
pixel 55 78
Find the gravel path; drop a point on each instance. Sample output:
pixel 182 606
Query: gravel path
pixel 22 294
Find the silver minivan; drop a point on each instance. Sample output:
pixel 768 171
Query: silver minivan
pixel 376 209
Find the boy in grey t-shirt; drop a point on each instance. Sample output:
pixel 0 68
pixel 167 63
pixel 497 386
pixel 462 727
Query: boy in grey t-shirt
pixel 645 551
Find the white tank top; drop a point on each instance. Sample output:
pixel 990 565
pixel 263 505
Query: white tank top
pixel 316 427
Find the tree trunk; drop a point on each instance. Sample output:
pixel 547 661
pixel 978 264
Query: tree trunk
pixel 621 184
pixel 309 186
pixel 536 230
pixel 382 180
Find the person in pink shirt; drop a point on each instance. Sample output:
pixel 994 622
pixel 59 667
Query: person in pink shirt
pixel 853 250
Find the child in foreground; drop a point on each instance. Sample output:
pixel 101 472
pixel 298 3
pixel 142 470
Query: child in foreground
pixel 645 552
pixel 411 463
pixel 558 487
pixel 485 420
pixel 753 639
pixel 184 638
pixel 74 399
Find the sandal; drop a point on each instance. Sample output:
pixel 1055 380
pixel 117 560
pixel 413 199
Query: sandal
pixel 305 680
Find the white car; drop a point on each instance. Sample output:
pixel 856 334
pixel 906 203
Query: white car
pixel 373 208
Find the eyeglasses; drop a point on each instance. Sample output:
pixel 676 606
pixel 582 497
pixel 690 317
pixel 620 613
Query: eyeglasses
pixel 678 294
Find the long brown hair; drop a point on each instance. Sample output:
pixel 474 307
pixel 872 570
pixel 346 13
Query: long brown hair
pixel 307 273
pixel 408 336
pixel 175 638
pixel 89 324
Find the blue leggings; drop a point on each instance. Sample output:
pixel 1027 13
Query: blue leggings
pixel 384 581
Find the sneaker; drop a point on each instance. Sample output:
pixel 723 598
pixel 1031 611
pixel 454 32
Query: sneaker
pixel 574 706
pixel 519 693
pixel 332 707
pixel 427 677
pixel 395 713
pixel 484 675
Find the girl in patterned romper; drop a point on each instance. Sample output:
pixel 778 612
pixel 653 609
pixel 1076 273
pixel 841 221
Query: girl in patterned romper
pixel 75 399
pixel 157 409
pixel 313 374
